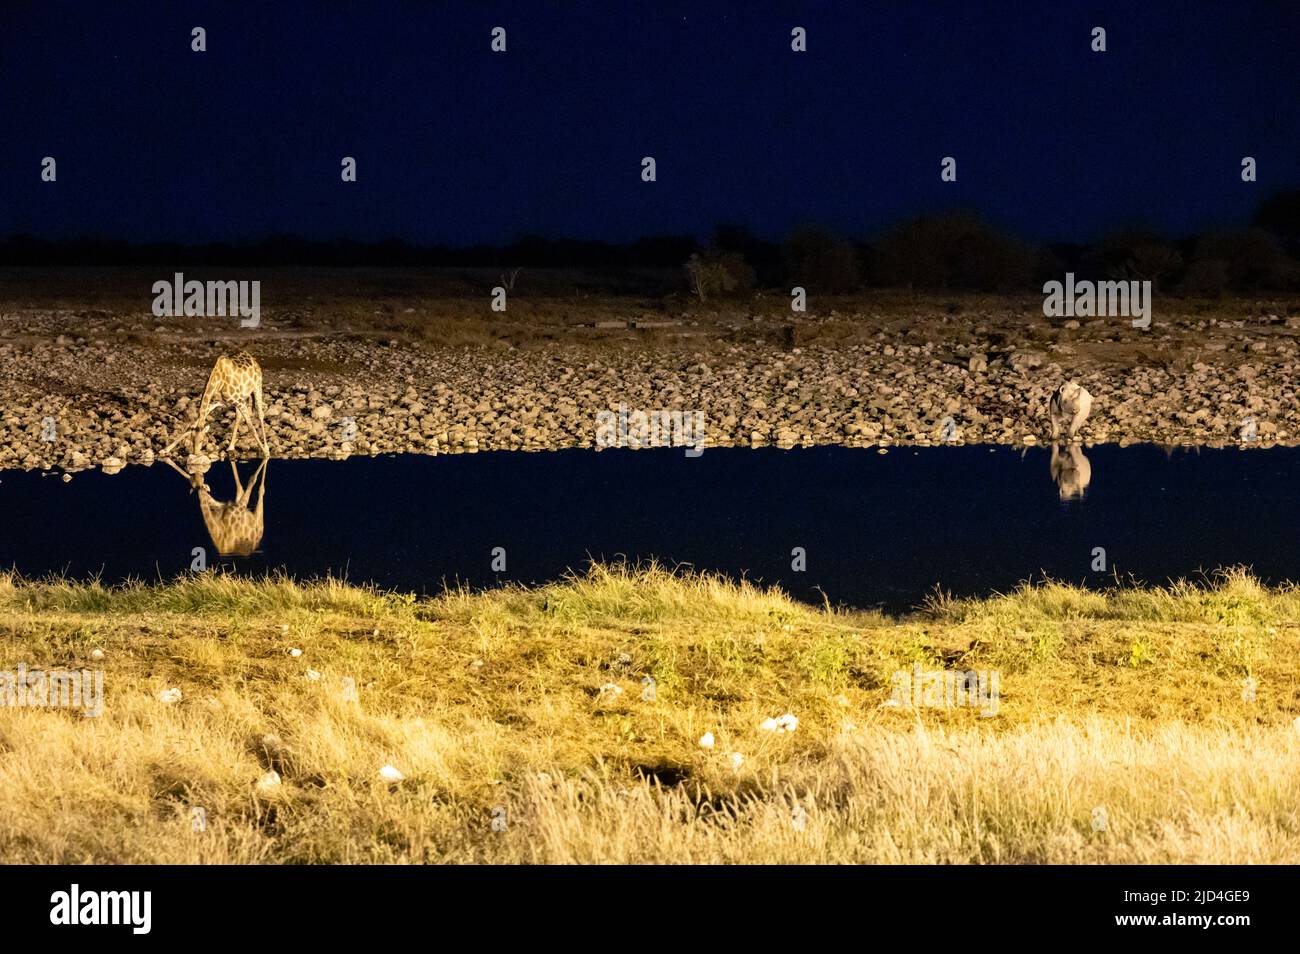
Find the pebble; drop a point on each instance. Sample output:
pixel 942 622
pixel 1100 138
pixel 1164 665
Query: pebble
pixel 474 399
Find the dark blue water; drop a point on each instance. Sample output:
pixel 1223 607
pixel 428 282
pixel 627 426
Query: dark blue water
pixel 877 530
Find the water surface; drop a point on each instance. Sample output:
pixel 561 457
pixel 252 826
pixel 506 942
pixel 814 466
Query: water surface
pixel 877 530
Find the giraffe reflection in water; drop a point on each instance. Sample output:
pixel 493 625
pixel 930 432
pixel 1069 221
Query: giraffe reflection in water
pixel 1071 471
pixel 234 528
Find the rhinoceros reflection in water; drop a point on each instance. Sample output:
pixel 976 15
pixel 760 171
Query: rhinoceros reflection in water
pixel 234 528
pixel 1070 470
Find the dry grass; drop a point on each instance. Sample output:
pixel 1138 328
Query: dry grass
pixel 1130 701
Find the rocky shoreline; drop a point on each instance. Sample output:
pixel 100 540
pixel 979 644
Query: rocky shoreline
pixel 77 401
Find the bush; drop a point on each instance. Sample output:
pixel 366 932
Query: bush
pixel 819 261
pixel 1133 255
pixel 953 251
pixel 715 272
pixel 1253 259
pixel 1280 215
pixel 1155 262
pixel 762 256
pixel 1206 279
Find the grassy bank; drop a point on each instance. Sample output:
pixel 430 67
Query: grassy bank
pixel 1140 725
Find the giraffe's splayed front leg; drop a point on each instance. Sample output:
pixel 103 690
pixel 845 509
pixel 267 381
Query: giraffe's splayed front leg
pixel 166 451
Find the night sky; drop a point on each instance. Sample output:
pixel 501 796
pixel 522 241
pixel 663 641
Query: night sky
pixel 456 144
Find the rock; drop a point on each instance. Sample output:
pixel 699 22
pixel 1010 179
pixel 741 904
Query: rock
pixel 1025 361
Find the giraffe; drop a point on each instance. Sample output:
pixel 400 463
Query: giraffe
pixel 235 530
pixel 235 380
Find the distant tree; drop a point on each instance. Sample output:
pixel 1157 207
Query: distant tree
pixel 1052 262
pixel 912 255
pixel 1155 262
pixel 1207 278
pixel 1252 258
pixel 1133 254
pixel 1140 256
pixel 1280 215
pixel 987 260
pixel 955 250
pixel 820 261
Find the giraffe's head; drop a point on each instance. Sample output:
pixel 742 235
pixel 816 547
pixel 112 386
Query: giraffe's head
pixel 196 469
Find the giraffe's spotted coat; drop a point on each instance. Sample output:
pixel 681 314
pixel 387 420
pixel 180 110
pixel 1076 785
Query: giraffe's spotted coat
pixel 235 380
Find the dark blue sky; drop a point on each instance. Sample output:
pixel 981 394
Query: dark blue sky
pixel 457 144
